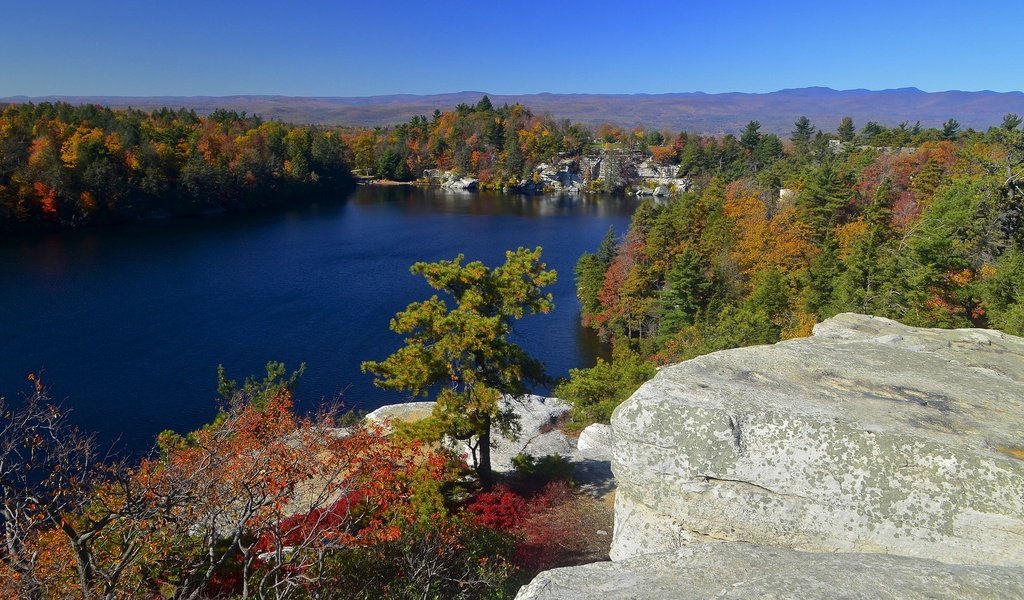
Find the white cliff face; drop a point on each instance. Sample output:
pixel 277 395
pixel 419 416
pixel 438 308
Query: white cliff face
pixel 853 459
pixel 868 437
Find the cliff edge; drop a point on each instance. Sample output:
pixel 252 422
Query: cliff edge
pixel 871 447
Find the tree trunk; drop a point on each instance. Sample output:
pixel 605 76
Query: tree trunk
pixel 483 469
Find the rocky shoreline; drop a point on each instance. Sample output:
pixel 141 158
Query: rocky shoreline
pixel 634 172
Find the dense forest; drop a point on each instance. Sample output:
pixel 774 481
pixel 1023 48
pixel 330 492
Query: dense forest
pixel 63 165
pixel 925 226
pixel 496 145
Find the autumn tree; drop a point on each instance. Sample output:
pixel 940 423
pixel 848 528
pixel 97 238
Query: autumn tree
pixel 463 347
pixel 73 524
pixel 590 270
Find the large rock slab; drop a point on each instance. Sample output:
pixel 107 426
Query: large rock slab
pixel 870 436
pixel 733 570
pixel 537 437
pixel 406 411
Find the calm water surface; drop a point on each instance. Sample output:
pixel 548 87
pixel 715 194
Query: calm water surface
pixel 128 326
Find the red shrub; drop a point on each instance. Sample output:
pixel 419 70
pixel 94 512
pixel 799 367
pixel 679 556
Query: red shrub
pixel 500 508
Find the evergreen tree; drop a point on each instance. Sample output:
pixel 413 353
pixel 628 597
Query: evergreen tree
pixel 464 349
pixel 751 136
pixel 950 129
pixel 484 105
pixel 859 288
pixel 822 198
pixel 803 133
pixel 822 274
pixel 846 130
pixel 606 251
pixel 686 291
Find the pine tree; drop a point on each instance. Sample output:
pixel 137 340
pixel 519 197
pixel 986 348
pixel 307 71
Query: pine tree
pixel 802 134
pixel 464 349
pixel 846 130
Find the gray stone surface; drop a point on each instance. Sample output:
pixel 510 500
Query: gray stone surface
pixel 449 180
pixel 595 441
pixel 534 413
pixel 592 462
pixel 869 436
pixel 406 411
pixel 733 570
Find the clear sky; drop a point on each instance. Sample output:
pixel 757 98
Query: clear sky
pixel 371 47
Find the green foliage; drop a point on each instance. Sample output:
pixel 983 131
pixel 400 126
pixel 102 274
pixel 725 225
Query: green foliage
pixel 950 129
pixel 826 192
pixel 688 287
pixel 257 392
pixel 254 392
pixel 927 235
pixel 803 132
pixel 1003 292
pixel 541 471
pixel 464 347
pixel 595 392
pixel 846 130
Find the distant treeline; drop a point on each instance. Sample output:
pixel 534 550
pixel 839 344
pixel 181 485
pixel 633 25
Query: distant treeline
pixel 770 243
pixel 64 165
pixel 501 145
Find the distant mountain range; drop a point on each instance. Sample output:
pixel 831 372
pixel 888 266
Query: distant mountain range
pixel 691 111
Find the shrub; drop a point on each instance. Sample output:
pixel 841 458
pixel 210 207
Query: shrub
pixel 540 471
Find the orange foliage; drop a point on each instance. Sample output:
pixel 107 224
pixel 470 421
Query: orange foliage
pixel 782 242
pixel 88 202
pixel 35 153
pixel 664 155
pixel 47 199
pixel 800 326
pixel 848 234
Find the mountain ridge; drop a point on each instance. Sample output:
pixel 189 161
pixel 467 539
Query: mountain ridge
pixel 701 112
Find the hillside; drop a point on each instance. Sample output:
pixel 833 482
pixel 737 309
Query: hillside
pixel 690 111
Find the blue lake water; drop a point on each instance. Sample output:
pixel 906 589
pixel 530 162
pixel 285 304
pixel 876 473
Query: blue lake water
pixel 128 325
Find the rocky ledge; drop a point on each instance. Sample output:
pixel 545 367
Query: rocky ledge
pixel 724 570
pixel 870 444
pixel 590 455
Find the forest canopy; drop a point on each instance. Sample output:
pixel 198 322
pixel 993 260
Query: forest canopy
pixel 65 165
pixel 768 244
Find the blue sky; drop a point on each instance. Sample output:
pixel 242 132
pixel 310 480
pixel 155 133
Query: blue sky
pixel 307 48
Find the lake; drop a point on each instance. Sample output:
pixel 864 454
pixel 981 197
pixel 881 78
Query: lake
pixel 128 325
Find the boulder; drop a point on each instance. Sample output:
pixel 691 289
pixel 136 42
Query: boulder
pixel 869 437
pixel 453 182
pixel 731 570
pixel 595 441
pixel 406 411
pixel 538 437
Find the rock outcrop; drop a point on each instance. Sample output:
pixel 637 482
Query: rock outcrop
pixel 722 570
pixel 451 181
pixel 537 437
pixel 871 446
pixel 868 437
pixel 406 411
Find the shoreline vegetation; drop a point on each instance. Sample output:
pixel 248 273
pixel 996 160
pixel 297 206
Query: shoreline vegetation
pixel 922 226
pixel 64 166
